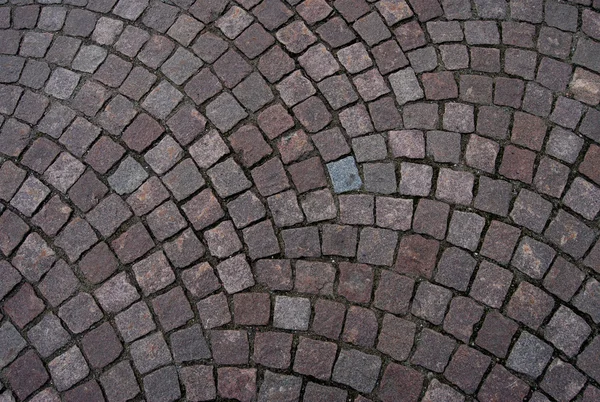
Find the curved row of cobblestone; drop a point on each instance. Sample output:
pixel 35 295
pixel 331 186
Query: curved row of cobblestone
pixel 305 200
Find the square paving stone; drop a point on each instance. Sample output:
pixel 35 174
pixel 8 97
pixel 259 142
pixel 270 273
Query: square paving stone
pixel 189 344
pixel 491 284
pixel 279 387
pixel 222 240
pixel 249 144
pixel 318 206
pixel 314 277
pixel 312 114
pixel 500 384
pixel 59 283
pixel 101 346
pixel 436 391
pixel 291 313
pixel 275 63
pixel 328 319
pixel 164 155
pixel 416 256
pixel 135 322
pixel 23 306
pixel 315 358
pixel 355 120
pixel 562 381
pixel 150 352
pixel 34 257
pixel 80 312
pixel 533 257
pixel 117 114
pixel 62 83
pixel 529 305
pixel 251 309
pixel 27 374
pixel 199 382
pixel 13 342
pixel 431 218
pixel 13 230
pixel 569 341
pixel 496 333
pixel 567 112
pixel 563 279
pixel 462 316
pixel 229 347
pixel 393 292
pixel 344 175
pixel 235 273
pixel 224 112
pixel 172 309
pixel 153 273
pixel 183 180
pixel 360 327
pixel 131 40
pixel 253 92
pixel 430 302
pixel 48 335
pixel 138 83
pixel 200 280
pixel 228 178
pixel 396 337
pixel 357 369
pixel 104 154
pixel 433 350
pixel 261 240
pixel 415 179
pixel 531 211
pixel 132 244
pixel 11 178
pixel 80 135
pixel 377 246
pixel 214 311
pixel 98 264
pixel 388 56
pixel 529 355
pixel 109 214
pixel 29 197
pixel 10 278
pixel 465 229
pixel 116 294
pixel 89 391
pixel 68 369
pixel 245 209
pixel 500 241
pixel 181 66
pixel 127 177
pixel 455 268
pixel 400 381
pixel 162 100
pixel 587 360
pixel 274 274
pixel 162 385
pixel 355 282
pixel 570 234
pixel 142 132
pixel 564 145
pixel 588 301
pixel 165 221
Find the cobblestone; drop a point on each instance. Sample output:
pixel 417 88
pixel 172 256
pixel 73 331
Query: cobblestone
pixel 299 186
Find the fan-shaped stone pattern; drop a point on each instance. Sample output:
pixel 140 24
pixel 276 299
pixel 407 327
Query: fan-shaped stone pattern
pixel 299 200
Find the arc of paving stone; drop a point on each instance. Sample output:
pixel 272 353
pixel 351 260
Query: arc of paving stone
pixel 270 201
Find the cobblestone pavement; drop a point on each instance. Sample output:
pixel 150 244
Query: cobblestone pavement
pixel 293 200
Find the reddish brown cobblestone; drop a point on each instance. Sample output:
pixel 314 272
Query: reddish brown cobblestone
pixel 317 200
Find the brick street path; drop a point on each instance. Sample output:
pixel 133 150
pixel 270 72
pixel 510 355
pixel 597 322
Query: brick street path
pixel 287 200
